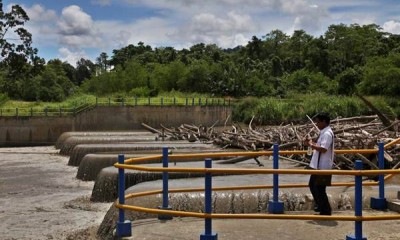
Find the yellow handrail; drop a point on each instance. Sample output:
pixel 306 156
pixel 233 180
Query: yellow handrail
pixel 391 173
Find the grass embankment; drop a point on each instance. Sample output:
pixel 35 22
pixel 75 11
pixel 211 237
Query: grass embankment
pixel 265 110
pixel 295 109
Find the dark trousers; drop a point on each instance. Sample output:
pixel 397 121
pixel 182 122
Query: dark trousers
pixel 320 196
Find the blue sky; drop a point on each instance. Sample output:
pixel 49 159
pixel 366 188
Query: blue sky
pixel 71 29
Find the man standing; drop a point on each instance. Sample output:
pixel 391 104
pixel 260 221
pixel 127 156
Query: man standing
pixel 322 159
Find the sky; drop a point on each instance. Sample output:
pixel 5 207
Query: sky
pixel 74 29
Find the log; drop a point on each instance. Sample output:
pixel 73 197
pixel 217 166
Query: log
pixel 385 120
pixel 153 130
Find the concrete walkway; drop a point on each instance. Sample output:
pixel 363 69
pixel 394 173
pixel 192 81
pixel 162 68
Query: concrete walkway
pixel 191 228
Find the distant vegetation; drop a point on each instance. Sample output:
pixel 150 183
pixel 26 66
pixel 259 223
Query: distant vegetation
pixel 344 60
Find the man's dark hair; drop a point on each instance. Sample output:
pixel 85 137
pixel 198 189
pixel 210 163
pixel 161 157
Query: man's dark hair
pixel 323 117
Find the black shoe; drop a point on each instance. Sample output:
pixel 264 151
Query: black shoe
pixel 325 213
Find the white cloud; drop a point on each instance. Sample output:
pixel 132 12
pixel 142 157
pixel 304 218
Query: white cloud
pixel 226 31
pixel 77 29
pixel 392 27
pixel 75 22
pixel 153 31
pixel 71 56
pixel 38 13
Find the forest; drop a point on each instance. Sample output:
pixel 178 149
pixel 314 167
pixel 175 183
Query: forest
pixel 345 60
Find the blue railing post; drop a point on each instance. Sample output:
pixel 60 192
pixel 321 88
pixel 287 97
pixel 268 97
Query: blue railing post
pixel 124 227
pixel 208 234
pixel 165 205
pixel 275 206
pixel 380 203
pixel 358 205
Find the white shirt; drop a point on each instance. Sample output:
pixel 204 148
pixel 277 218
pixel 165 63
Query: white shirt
pixel 325 140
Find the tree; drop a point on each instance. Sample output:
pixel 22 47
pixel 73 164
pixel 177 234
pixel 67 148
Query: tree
pixel 84 70
pixel 381 76
pixel 14 39
pixel 15 50
pixel 348 80
pixel 102 63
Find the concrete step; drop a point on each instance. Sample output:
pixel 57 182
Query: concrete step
pixel 394 205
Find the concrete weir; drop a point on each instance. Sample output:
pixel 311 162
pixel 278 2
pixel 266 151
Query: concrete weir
pixel 92 164
pixel 105 188
pixel 66 135
pixel 71 142
pixel 80 151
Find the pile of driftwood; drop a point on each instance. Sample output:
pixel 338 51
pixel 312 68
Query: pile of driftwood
pixel 350 133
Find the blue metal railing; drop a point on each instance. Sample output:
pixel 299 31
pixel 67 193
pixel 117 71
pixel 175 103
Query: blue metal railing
pixel 274 207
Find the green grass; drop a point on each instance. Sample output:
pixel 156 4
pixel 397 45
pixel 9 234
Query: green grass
pixel 295 109
pixel 265 110
pixel 82 101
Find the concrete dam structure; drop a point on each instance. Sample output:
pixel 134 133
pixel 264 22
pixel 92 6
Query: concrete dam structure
pixel 44 130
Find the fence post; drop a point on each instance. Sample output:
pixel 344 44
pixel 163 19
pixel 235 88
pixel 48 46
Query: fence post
pixel 208 234
pixel 122 102
pixel 97 101
pixel 60 112
pixel 149 101
pixel 31 112
pixel 162 101
pixel 380 203
pixel 275 206
pixel 206 101
pixel 186 103
pixel 199 101
pixel 174 101
pixel 124 227
pixel 16 112
pixel 192 101
pixel 45 111
pixel 165 205
pixel 358 205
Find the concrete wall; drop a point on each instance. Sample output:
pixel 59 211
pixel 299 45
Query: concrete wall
pixel 30 131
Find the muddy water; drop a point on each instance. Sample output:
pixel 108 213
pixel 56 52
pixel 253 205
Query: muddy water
pixel 40 198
